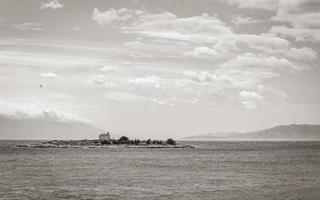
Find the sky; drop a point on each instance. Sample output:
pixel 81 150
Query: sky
pixel 146 68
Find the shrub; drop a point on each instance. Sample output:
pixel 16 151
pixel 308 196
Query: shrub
pixel 105 142
pixel 148 141
pixel 123 140
pixel 171 141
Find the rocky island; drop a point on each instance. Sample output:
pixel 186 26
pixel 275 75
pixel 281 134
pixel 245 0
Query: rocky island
pixel 104 141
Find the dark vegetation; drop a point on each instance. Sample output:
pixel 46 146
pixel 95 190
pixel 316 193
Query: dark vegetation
pixel 126 140
pixel 122 140
pixel 171 141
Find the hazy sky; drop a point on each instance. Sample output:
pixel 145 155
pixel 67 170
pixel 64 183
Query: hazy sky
pixel 161 68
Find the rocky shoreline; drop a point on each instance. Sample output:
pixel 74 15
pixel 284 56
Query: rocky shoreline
pixel 112 143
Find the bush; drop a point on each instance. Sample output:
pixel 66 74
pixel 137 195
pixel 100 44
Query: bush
pixel 105 142
pixel 148 142
pixel 123 140
pixel 136 142
pixel 171 141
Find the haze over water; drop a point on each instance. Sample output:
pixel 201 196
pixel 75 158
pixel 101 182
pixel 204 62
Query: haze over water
pixel 214 170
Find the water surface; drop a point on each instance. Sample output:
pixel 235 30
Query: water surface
pixel 214 170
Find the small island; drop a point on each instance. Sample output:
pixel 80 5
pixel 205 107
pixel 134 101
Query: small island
pixel 105 141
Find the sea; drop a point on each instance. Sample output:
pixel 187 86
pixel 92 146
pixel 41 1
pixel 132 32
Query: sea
pixel 213 170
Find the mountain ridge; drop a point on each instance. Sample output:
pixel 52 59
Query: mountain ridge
pixel 42 129
pixel 281 132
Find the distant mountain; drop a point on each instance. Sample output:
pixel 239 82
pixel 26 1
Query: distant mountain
pixel 210 136
pixel 283 132
pixel 47 129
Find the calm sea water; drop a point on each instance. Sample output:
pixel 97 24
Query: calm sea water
pixel 214 170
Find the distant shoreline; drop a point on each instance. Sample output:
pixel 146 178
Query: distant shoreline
pixel 123 142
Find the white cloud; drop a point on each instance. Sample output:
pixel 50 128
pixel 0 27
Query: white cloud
pixel 29 26
pixel 141 55
pixel 270 5
pixel 239 61
pixel 226 45
pixel 111 15
pixel 123 96
pixel 44 60
pixel 146 81
pixel 238 20
pixel 232 78
pixel 133 98
pixel 302 15
pixel 37 110
pixel 304 53
pixel 54 4
pixel 246 78
pixel 49 75
pixel 143 47
pixel 76 28
pixel 202 76
pixel 202 29
pixel 203 52
pixel 108 68
pixel 266 43
pixel 166 25
pixel 250 60
pixel 101 80
pixel 250 95
pixel 251 99
pixel 161 102
pixel 299 34
pixel 249 104
pixel 272 45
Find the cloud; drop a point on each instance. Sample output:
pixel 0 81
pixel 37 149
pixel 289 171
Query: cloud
pixel 101 80
pixel 250 99
pixel 303 17
pixel 265 43
pixel 144 47
pixel 202 76
pixel 304 53
pixel 300 13
pixel 250 60
pixel 299 34
pixel 202 29
pixel 249 104
pixel 140 55
pixel 239 20
pixel 203 52
pixel 166 25
pixel 226 45
pixel 111 15
pixel 147 81
pixel 29 26
pixel 232 78
pixel 54 4
pixel 37 110
pixel 231 85
pixel 238 61
pixel 108 68
pixel 270 45
pixel 270 5
pixel 250 95
pixel 49 75
pixel 76 28
pixel 165 29
pixel 133 98
pixel 44 60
